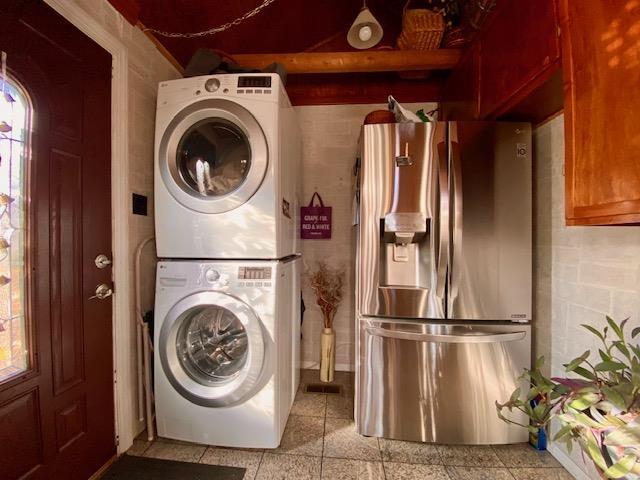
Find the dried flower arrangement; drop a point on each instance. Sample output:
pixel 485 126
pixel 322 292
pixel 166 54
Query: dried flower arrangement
pixel 328 285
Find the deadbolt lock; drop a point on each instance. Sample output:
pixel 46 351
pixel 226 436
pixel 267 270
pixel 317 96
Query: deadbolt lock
pixel 102 261
pixel 102 291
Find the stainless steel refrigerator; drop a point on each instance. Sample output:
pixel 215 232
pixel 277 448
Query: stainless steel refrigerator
pixel 443 279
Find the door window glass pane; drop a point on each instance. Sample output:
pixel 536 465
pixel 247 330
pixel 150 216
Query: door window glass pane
pixel 212 344
pixel 214 157
pixel 14 148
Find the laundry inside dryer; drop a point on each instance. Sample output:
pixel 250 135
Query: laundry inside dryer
pixel 214 157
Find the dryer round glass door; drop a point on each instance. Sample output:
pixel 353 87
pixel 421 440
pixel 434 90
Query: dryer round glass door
pixel 213 156
pixel 212 349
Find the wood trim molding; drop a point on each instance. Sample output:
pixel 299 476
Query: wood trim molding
pixel 355 62
pixel 122 331
pixel 627 219
pixel 360 88
pixel 569 120
pixel 606 214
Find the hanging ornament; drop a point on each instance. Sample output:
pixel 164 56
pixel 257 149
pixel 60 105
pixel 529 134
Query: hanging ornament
pixel 4 127
pixel 5 199
pixel 4 280
pixel 4 248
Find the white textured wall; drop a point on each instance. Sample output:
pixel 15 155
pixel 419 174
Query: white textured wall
pixel 146 68
pixel 330 136
pixel 582 273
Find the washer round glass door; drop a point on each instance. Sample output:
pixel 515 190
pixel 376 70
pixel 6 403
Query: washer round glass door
pixel 212 349
pixel 213 156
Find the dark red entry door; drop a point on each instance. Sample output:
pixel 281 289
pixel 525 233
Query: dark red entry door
pixel 56 368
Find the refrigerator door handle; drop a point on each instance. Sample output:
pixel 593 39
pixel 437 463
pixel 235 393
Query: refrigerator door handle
pixel 443 241
pixel 456 245
pixel 430 337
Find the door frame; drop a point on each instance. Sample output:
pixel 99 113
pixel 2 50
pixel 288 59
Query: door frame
pixel 124 400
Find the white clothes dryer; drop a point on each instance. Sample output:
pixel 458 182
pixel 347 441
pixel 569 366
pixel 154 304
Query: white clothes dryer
pixel 227 168
pixel 226 339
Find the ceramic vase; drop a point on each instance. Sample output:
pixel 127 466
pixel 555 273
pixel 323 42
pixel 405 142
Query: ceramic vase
pixel 327 355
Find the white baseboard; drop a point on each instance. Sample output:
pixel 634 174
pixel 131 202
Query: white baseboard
pixel 567 462
pixel 340 367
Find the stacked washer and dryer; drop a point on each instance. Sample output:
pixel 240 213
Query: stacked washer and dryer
pixel 227 316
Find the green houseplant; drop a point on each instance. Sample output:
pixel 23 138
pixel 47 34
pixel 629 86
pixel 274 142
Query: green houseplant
pixel 597 407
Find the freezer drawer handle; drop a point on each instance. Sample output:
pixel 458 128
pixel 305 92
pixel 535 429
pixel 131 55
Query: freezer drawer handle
pixel 430 337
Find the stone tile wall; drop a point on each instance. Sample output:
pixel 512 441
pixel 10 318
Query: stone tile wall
pixel 582 273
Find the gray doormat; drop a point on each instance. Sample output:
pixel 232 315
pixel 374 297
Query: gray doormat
pixel 128 467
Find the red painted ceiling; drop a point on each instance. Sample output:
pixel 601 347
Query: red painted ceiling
pixel 284 26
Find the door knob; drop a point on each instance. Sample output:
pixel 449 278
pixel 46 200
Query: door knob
pixel 102 261
pixel 102 291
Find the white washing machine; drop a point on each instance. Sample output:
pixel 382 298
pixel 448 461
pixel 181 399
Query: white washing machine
pixel 219 377
pixel 227 168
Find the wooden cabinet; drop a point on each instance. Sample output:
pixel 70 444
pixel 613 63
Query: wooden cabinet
pixel 601 66
pixel 516 59
pixel 462 90
pixel 520 45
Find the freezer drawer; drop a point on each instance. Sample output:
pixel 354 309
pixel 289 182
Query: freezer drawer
pixel 434 382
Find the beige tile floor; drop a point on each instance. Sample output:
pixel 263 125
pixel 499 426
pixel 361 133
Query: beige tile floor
pixel 320 442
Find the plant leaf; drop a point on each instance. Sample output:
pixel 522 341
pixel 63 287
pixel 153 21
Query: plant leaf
pixel 604 356
pixel 562 432
pixel 584 419
pixel 614 397
pixel 515 395
pixel 584 401
pixel 614 420
pixel 620 469
pixel 624 436
pixel 594 331
pixel 539 412
pixel 583 372
pixel 615 327
pixel 635 332
pixel 623 349
pixel 609 366
pixel 594 452
pixel 570 367
pixel 623 323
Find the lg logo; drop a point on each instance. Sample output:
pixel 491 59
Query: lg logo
pixel 521 150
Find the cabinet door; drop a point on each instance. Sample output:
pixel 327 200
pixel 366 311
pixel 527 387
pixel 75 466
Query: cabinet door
pixel 601 61
pixel 520 44
pixel 461 95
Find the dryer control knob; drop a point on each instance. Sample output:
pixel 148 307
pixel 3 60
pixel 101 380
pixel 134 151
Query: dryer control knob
pixel 212 85
pixel 211 275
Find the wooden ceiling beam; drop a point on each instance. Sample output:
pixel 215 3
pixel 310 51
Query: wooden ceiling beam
pixel 355 62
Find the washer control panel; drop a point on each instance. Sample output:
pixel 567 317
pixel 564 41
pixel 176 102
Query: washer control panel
pixel 254 273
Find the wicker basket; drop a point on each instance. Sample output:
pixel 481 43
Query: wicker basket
pixel 422 29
